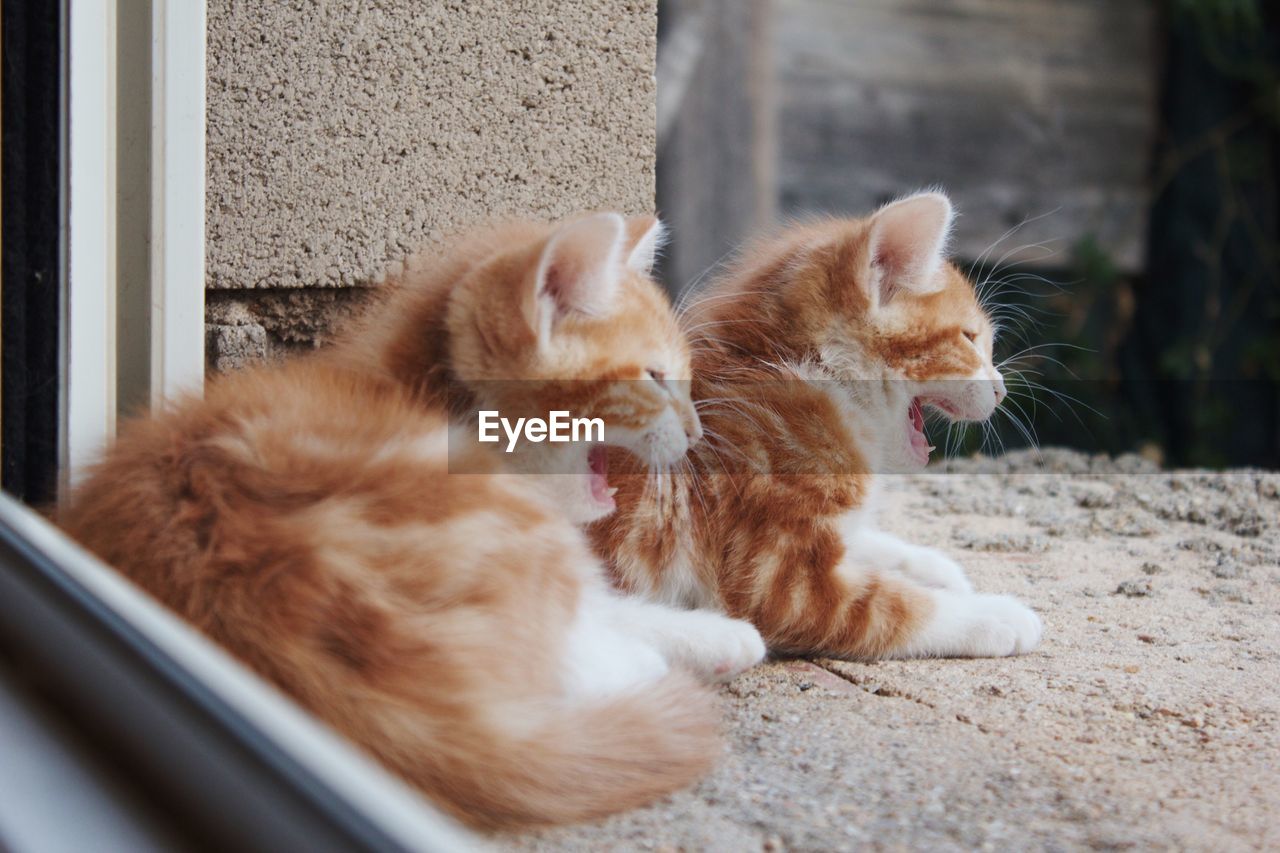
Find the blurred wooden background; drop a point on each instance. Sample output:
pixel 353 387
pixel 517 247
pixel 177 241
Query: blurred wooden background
pixel 1040 110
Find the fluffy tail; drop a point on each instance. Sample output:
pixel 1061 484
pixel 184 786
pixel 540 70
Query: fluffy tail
pixel 579 764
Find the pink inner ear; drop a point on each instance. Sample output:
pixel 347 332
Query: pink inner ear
pixel 893 259
pixel 578 270
pixel 908 239
pixel 888 267
pixel 566 284
pixel 554 280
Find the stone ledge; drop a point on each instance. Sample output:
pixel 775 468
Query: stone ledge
pixel 1144 721
pixel 249 327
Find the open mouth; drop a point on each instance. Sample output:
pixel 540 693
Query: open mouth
pixel 598 463
pixel 919 443
pixel 920 446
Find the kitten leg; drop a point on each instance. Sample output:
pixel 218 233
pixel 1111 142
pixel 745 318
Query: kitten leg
pixel 930 622
pixel 863 613
pixel 926 566
pixel 602 659
pixel 712 646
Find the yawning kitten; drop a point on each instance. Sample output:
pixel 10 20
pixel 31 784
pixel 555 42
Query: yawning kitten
pixel 814 358
pixel 454 624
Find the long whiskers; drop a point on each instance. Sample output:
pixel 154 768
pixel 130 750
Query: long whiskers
pixel 1007 234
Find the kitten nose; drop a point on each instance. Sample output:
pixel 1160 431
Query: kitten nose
pixel 999 388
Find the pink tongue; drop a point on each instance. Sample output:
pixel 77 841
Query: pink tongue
pixel 598 460
pixel 919 443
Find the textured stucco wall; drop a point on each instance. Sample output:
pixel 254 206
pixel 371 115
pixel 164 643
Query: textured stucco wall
pixel 345 133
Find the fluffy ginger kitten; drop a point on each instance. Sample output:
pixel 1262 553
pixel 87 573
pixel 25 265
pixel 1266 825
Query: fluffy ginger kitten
pixel 457 626
pixel 814 357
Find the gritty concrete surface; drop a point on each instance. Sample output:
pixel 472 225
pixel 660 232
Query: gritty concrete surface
pixel 343 134
pixel 1147 719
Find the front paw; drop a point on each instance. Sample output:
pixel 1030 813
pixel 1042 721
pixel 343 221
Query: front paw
pixel 932 568
pixel 975 626
pixel 716 648
pixel 999 626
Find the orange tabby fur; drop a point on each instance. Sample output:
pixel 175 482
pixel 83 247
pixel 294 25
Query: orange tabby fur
pixel 304 518
pixel 808 355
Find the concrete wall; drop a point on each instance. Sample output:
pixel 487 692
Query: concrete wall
pixel 344 134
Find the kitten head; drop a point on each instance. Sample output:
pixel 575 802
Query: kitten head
pixel 876 304
pixel 567 318
pixel 906 315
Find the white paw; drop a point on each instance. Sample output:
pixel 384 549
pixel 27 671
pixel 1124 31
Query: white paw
pixel 1003 626
pixel 975 625
pixel 715 647
pixel 930 567
pixel 602 661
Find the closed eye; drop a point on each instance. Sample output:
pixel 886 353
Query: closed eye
pixel 972 336
pixel 657 376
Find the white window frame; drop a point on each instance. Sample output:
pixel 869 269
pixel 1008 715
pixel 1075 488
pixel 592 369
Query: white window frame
pixel 87 344
pixel 89 379
pixel 177 197
pixel 55 595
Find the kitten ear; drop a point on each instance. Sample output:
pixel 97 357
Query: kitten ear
pixel 647 236
pixel 578 271
pixel 907 242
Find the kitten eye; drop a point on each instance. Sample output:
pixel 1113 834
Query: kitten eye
pixel 657 376
pixel 972 336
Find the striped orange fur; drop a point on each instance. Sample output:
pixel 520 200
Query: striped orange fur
pixel 457 626
pixel 813 356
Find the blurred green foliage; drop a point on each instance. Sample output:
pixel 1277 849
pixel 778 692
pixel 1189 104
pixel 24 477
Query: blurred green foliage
pixel 1216 18
pixel 1183 359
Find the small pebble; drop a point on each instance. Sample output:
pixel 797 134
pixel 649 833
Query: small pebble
pixel 1225 592
pixel 1226 568
pixel 1134 589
